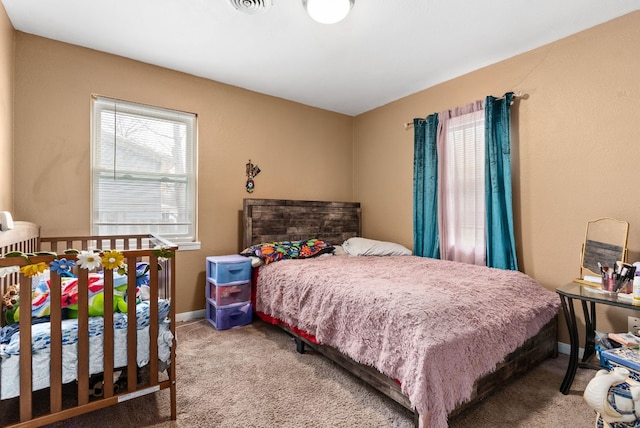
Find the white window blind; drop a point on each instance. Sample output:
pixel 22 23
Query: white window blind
pixel 143 170
pixel 464 177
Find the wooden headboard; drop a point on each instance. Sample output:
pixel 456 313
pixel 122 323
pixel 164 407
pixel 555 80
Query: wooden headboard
pixel 274 220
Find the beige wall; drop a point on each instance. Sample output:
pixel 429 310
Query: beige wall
pixel 303 152
pixel 576 156
pixel 6 111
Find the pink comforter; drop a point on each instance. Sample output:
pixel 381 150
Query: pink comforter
pixel 434 325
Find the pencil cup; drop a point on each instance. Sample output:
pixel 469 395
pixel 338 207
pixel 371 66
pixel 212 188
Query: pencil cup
pixel 609 284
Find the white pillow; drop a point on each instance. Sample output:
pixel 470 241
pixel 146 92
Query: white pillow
pixel 369 247
pixel 338 250
pixel 256 261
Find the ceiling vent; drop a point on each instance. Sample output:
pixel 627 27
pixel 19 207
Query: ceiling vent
pixel 251 6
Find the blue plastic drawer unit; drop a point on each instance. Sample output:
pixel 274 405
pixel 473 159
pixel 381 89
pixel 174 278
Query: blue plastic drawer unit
pixel 227 269
pixel 230 316
pixel 228 291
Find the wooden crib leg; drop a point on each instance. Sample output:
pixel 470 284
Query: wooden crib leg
pixel 172 377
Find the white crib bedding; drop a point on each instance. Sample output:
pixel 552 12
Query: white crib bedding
pixel 9 367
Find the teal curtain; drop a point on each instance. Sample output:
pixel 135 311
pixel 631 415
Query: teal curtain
pixel 425 188
pixel 501 245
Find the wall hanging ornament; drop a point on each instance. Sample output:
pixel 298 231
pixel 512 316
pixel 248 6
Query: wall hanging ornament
pixel 252 171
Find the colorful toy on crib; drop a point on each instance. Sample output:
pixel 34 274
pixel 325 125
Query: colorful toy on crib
pixel 41 299
pixel 615 397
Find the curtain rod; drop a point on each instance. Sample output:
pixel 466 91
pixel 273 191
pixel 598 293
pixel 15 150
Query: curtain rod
pixel 518 95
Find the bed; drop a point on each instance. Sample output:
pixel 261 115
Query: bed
pixel 101 329
pixel 436 343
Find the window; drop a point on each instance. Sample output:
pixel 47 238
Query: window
pixel 463 178
pixel 143 170
pixel 462 184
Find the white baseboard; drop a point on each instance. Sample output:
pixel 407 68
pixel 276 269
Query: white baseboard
pixel 565 348
pixel 188 316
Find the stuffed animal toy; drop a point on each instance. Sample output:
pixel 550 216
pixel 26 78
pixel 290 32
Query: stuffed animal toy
pixel 39 302
pixel 10 302
pixel 96 294
pixel 10 297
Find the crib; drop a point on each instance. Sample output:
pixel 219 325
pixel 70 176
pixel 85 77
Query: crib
pixel 94 346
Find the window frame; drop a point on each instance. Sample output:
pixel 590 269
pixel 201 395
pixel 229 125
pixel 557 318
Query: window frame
pixel 465 132
pixel 188 217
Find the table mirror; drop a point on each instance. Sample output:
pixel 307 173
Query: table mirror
pixel 605 242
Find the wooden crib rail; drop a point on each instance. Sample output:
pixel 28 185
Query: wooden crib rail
pixel 110 242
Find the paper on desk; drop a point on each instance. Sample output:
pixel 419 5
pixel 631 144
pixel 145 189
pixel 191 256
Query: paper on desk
pixel 595 279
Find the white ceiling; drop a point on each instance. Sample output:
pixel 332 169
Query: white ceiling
pixel 383 51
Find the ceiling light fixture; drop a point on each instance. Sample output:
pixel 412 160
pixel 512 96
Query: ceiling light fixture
pixel 328 11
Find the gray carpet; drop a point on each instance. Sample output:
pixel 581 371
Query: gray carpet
pixel 253 377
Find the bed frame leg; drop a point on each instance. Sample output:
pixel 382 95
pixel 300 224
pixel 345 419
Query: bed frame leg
pixel 416 419
pixel 299 345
